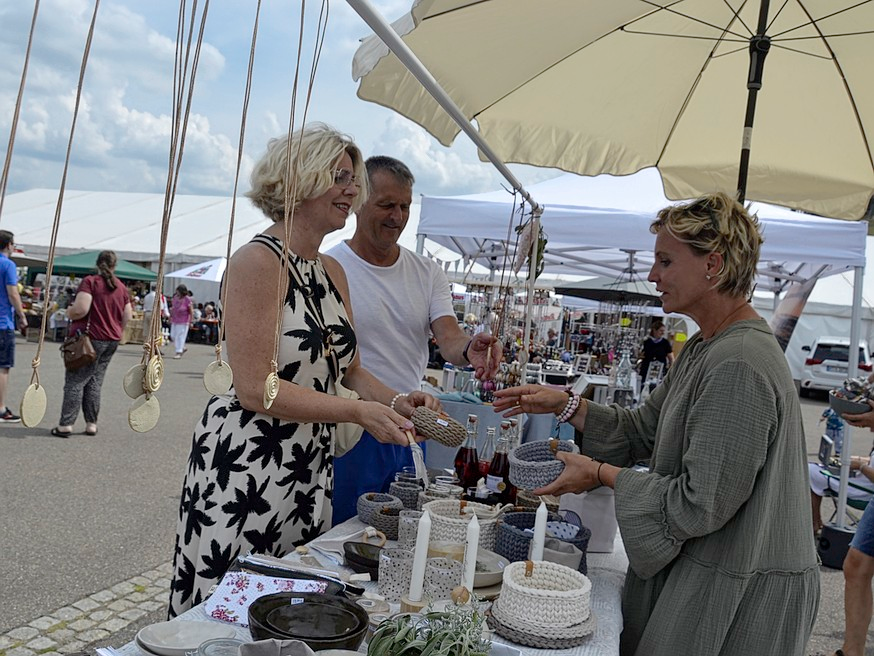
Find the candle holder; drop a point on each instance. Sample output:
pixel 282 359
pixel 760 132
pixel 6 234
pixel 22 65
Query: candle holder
pixel 442 576
pixel 395 572
pixel 408 527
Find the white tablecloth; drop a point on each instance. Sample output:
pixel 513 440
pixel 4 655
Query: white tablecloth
pixel 606 571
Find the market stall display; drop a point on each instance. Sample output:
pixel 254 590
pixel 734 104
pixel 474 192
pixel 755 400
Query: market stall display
pixel 606 573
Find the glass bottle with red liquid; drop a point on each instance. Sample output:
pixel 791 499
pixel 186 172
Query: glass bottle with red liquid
pixel 498 479
pixel 487 452
pixel 466 459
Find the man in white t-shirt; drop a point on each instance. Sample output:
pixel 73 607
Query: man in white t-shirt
pixel 398 299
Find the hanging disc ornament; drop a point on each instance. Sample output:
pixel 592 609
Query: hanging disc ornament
pixel 154 373
pixel 33 405
pixel 218 377
pixel 144 413
pixel 271 389
pixel 134 381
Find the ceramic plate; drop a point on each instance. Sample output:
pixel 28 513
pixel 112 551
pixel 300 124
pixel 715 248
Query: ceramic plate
pixel 489 569
pixel 176 637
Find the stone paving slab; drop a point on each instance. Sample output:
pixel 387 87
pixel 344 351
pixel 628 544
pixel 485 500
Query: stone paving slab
pixel 77 627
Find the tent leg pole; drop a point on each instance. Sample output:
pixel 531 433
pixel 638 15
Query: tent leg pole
pixel 852 372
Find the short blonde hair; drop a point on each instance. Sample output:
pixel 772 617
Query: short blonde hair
pixel 717 223
pixel 321 148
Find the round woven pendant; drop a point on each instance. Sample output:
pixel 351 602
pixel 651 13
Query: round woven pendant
pixel 218 377
pixel 33 405
pixel 271 389
pixel 144 413
pixel 134 381
pixel 154 373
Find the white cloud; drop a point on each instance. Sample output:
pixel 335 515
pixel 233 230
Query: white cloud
pixel 438 170
pixel 123 134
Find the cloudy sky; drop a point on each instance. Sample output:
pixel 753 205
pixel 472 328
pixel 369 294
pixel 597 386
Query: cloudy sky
pixel 123 132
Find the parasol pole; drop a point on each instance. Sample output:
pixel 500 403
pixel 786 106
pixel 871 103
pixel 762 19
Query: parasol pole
pixel 760 44
pixel 409 59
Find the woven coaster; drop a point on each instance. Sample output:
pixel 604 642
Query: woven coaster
pixel 538 642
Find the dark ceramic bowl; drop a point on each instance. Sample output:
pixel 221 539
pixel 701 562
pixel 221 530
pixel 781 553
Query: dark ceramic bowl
pixel 321 621
pixel 362 554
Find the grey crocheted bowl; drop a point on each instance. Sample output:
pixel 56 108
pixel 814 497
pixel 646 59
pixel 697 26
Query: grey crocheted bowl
pixel 370 503
pixel 533 465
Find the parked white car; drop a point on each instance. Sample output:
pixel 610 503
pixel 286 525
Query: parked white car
pixel 826 365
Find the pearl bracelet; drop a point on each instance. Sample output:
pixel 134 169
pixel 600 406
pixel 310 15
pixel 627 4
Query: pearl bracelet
pixel 573 404
pixel 395 399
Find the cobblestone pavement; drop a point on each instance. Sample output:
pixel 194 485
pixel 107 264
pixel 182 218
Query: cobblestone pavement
pixel 109 617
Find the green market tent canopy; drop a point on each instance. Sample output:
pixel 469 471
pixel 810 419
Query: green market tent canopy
pixel 86 263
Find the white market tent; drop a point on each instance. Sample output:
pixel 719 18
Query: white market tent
pixel 599 226
pixel 130 224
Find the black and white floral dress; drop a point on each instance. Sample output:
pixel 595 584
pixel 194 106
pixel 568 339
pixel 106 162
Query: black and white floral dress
pixel 255 482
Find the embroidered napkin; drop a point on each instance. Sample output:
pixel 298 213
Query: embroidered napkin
pixel 231 599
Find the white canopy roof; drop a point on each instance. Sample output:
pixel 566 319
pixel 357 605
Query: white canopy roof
pixel 599 225
pixel 130 224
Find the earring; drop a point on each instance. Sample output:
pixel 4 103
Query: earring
pixel 708 276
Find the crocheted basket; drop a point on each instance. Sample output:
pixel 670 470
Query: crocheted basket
pixel 534 464
pixel 370 503
pixel 408 493
pixel 529 501
pixel 449 524
pixel 544 602
pixel 437 493
pixel 438 426
pixel 513 542
pixel 386 520
pixel 539 642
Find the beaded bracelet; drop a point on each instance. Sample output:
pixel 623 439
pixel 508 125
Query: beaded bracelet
pixel 570 409
pixel 395 399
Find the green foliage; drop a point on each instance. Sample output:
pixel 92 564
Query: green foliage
pixel 457 631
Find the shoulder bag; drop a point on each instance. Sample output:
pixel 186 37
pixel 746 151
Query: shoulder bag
pixel 77 350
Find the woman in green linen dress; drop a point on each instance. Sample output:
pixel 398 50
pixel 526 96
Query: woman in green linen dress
pixel 717 531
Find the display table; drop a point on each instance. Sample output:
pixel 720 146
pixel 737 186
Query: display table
pixel 606 571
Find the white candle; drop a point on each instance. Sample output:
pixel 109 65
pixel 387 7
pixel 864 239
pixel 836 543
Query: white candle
pixel 470 553
pixel 539 532
pixel 423 535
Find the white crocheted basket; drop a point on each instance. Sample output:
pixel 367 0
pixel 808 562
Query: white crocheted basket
pixel 552 597
pixel 449 523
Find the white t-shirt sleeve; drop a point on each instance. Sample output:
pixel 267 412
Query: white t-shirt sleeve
pixel 441 294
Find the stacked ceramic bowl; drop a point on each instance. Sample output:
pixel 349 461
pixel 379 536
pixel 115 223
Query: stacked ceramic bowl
pixel 321 621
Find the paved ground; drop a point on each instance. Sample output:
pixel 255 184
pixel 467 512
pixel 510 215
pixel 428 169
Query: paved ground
pixel 87 523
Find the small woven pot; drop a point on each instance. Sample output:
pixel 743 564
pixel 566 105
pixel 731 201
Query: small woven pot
pixel 533 465
pixel 438 493
pixel 408 493
pixel 386 520
pixel 370 503
pixel 545 602
pixel 529 501
pixel 513 542
pixel 449 524
pixel 438 426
